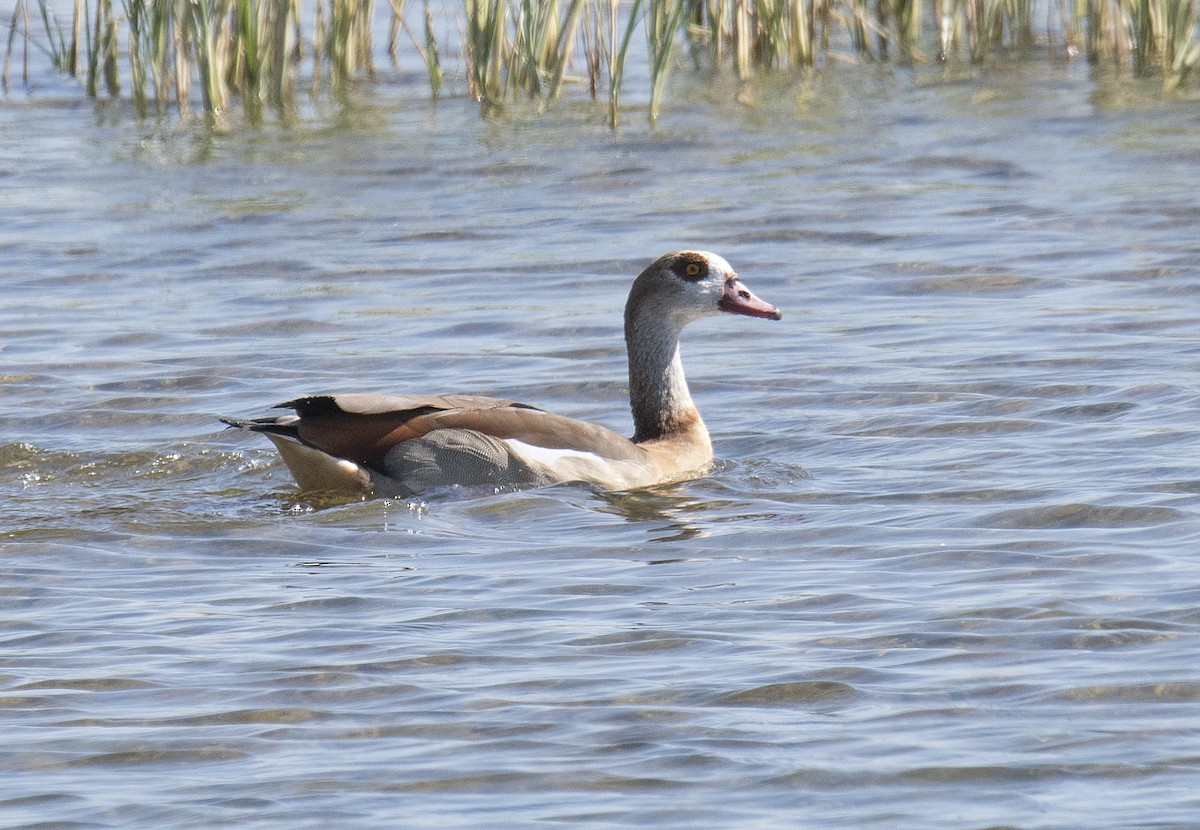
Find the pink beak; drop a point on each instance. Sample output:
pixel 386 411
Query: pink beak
pixel 738 299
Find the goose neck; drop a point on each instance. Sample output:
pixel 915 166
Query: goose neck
pixel 658 390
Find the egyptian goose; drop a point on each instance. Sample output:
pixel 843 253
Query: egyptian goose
pixel 403 445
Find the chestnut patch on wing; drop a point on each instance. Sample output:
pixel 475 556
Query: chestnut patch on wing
pixel 690 266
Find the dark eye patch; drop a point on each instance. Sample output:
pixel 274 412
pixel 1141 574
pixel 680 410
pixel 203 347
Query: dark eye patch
pixel 690 267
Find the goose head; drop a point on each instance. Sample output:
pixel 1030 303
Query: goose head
pixel 683 286
pixel 676 289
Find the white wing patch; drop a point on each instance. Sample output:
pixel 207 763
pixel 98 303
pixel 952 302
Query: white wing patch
pixel 578 465
pixel 550 457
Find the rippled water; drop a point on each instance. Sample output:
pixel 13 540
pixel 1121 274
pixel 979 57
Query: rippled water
pixel 944 574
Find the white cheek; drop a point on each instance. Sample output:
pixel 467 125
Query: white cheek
pixel 718 263
pixel 707 298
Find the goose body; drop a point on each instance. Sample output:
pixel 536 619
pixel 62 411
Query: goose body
pixel 400 445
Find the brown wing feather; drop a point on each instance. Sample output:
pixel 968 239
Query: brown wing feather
pixel 363 428
pixel 362 438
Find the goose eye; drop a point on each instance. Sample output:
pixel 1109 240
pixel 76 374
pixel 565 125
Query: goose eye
pixel 691 269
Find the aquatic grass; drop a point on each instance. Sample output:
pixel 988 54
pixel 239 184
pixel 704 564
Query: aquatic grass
pixel 523 46
pixel 756 35
pixel 430 53
pixel 905 17
pixel 244 49
pixel 663 20
pixel 605 45
pixel 348 38
pixel 106 62
pixel 254 52
pixel 1164 33
pixel 55 47
pixel 981 27
pixel 1155 36
pixel 484 46
pixel 617 57
pixel 20 12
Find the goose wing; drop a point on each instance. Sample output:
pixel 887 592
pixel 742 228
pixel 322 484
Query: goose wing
pixel 363 428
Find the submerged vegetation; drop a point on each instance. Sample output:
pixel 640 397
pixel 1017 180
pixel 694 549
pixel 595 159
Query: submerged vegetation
pixel 209 53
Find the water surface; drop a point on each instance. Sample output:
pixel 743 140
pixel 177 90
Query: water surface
pixel 943 574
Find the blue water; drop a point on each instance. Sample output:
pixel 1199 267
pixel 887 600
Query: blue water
pixel 944 573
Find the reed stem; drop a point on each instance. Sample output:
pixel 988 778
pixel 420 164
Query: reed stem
pixel 250 51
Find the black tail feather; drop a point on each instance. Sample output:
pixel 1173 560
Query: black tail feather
pixel 286 426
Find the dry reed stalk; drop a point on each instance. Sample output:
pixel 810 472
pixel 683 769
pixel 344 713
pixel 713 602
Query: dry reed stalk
pixel 427 48
pixel 21 10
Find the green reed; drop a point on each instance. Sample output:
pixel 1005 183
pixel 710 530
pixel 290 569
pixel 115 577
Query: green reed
pixel 1164 33
pixel 519 46
pixel 254 51
pixel 1154 36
